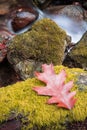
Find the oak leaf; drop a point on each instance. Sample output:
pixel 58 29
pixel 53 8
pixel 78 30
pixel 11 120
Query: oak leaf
pixel 55 87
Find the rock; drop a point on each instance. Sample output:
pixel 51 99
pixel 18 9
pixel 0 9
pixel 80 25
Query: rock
pixel 27 68
pixel 7 74
pixel 6 5
pixel 85 5
pixel 42 3
pixel 35 113
pixel 73 11
pixel 4 8
pixel 79 52
pixel 45 43
pixel 21 17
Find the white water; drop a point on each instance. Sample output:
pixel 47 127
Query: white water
pixel 73 28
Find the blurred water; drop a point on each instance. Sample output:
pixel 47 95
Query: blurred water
pixel 75 29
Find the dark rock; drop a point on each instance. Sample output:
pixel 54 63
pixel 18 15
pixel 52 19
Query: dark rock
pixel 11 125
pixel 21 17
pixel 7 74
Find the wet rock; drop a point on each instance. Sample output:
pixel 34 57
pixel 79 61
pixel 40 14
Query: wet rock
pixel 79 52
pixel 73 11
pixel 45 43
pixel 21 17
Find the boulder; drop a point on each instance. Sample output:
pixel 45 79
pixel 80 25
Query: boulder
pixel 44 43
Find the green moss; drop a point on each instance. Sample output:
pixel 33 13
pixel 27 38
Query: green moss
pixel 44 43
pixel 79 52
pixel 20 98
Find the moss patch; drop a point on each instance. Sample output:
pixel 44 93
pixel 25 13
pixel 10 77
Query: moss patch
pixel 20 98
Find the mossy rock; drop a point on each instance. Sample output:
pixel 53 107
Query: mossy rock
pixel 45 42
pixel 20 99
pixel 79 52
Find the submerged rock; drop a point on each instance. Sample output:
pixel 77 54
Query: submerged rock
pixel 21 17
pixel 21 103
pixel 79 52
pixel 45 43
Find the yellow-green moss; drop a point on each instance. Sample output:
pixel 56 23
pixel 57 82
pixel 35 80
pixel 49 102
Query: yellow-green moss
pixel 45 42
pixel 20 98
